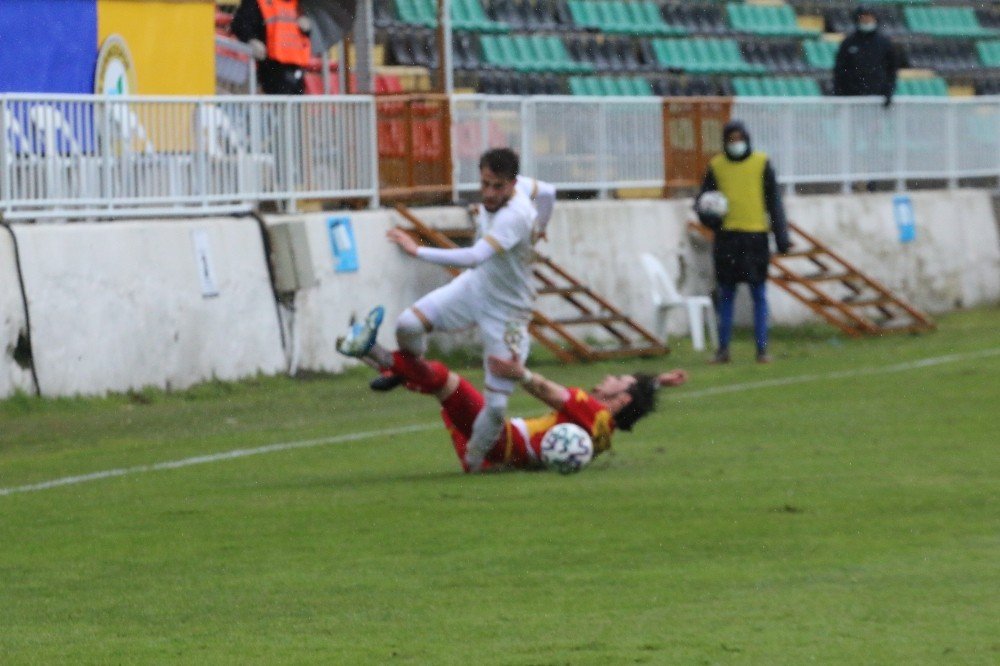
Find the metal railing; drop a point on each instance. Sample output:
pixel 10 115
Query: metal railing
pixel 110 156
pixel 85 156
pixel 575 143
pixel 843 140
pixel 603 143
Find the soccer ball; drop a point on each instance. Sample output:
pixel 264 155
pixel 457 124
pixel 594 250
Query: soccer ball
pixel 713 203
pixel 566 448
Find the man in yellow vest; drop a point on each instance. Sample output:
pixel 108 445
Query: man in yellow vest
pixel 278 34
pixel 741 253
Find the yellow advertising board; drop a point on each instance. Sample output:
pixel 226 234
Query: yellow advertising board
pixel 171 43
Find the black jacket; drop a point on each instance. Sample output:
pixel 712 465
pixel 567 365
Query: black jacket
pixel 865 65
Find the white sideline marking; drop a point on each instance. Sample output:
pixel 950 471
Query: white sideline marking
pixel 353 437
pixel 842 374
pixel 213 457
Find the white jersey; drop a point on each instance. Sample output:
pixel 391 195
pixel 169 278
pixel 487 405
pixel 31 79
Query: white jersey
pixel 542 196
pixel 505 278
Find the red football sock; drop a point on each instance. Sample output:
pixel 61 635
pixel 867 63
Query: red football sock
pixel 462 406
pixel 420 374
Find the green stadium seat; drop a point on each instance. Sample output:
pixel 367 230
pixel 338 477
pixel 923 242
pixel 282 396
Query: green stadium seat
pixel 776 86
pixel 930 87
pixel 820 54
pixel 415 12
pixel 557 51
pixel 476 16
pixel 766 20
pixel 989 53
pixel 703 56
pixel 960 22
pixel 649 13
pixel 610 86
pixel 496 53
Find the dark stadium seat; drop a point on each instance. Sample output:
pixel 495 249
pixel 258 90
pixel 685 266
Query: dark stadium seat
pixel 384 17
pixel 841 19
pixel 988 87
pixel 465 52
pixel 943 56
pixel 540 15
pixel 782 57
pixel 507 11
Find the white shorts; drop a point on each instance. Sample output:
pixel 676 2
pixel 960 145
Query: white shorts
pixel 502 330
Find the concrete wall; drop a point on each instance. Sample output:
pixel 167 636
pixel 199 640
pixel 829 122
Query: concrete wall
pixel 13 377
pixel 119 306
pixel 953 262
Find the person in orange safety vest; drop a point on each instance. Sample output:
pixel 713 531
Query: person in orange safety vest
pixel 278 34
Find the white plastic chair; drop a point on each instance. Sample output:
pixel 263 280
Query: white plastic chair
pixel 700 311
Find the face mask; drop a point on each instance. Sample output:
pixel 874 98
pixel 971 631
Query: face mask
pixel 867 27
pixel 736 149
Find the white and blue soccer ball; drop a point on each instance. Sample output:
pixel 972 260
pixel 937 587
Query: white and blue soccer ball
pixel 566 448
pixel 713 203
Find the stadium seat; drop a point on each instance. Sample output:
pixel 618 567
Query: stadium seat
pixel 958 22
pixel 507 12
pixel 465 53
pixel 779 57
pixel 820 54
pixel 841 20
pixel 766 20
pixel 383 16
pixel 776 86
pixel 929 87
pixel 416 12
pixel 950 56
pixel 540 16
pixel 609 86
pixel 704 56
pixel 695 19
pixel 989 52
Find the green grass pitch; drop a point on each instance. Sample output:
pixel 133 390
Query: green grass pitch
pixel 839 506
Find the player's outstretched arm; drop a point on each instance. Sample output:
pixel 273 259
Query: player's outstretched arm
pixel 672 377
pixel 460 257
pixel 552 394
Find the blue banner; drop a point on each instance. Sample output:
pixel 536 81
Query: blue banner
pixel 49 46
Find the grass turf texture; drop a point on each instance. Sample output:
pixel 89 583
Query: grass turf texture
pixel 839 519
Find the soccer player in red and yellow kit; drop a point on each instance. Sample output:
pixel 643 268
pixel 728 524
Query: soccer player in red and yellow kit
pixel 617 402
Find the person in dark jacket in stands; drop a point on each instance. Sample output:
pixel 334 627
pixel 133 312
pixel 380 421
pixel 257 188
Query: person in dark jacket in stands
pixel 866 61
pixel 748 210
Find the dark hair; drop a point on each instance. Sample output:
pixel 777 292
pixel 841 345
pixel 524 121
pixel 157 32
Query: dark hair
pixel 501 161
pixel 643 393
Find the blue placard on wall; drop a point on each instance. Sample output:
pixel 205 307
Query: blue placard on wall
pixel 345 252
pixel 902 209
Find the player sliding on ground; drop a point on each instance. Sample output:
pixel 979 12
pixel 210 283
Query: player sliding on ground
pixel 616 403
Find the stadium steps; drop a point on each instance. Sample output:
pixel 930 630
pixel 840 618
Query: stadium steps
pixel 839 292
pixel 553 333
pixel 836 290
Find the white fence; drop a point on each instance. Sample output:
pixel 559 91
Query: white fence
pixel 840 140
pixel 107 156
pixel 590 143
pixel 602 143
pixel 79 156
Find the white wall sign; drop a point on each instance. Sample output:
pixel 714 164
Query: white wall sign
pixel 203 258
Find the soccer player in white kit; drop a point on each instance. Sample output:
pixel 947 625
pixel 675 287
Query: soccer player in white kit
pixel 496 295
